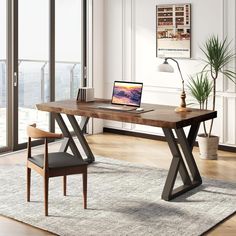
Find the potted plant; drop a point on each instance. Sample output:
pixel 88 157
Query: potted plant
pixel 200 88
pixel 218 56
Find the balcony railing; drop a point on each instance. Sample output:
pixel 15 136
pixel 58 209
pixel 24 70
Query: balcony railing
pixel 34 84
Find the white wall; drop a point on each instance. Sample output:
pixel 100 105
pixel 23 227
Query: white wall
pixel 129 53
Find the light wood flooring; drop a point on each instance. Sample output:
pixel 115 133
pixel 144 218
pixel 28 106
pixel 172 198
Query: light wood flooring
pixel 139 150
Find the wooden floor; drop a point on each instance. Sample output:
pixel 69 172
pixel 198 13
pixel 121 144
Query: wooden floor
pixel 149 152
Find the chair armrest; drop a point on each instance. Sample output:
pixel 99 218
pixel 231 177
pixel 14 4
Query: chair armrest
pixel 36 133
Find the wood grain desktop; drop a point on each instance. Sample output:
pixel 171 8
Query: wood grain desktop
pixel 160 116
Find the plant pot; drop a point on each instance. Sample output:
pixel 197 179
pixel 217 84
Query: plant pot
pixel 208 146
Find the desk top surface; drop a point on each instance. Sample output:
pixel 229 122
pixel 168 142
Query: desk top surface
pixel 160 116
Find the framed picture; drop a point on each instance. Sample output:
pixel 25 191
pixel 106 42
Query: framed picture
pixel 173 32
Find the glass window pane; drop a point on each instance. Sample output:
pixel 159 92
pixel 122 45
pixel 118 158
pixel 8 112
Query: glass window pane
pixel 33 85
pixel 3 77
pixel 67 50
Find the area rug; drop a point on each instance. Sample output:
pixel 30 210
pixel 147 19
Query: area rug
pixel 123 199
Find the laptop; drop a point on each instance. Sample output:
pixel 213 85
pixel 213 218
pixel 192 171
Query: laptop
pixel 126 96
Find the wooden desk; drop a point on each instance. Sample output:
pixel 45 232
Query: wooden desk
pixel 161 116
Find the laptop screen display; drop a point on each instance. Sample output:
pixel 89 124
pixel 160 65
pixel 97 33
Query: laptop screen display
pixel 127 93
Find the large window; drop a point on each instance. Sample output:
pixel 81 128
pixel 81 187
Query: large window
pixel 68 56
pixel 3 74
pixel 43 40
pixel 33 58
pixel 68 48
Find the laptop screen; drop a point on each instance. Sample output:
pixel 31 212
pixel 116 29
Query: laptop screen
pixel 127 93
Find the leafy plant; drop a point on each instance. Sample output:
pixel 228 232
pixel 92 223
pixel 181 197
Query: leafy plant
pixel 200 88
pixel 219 55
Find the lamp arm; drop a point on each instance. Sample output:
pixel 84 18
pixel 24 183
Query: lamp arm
pixel 170 58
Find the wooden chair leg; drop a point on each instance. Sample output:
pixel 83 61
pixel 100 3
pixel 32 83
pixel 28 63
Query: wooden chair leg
pixel 46 179
pixel 64 185
pixel 85 188
pixel 28 183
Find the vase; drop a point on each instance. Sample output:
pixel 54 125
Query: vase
pixel 208 146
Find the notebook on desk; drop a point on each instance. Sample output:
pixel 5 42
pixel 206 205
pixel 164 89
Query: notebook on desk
pixel 126 96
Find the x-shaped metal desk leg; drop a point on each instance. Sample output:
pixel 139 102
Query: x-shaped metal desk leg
pixel 190 180
pixel 68 139
pixel 79 132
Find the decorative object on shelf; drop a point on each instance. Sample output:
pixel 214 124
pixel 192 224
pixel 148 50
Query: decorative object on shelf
pixel 218 56
pixel 166 67
pixel 85 94
pixel 173 30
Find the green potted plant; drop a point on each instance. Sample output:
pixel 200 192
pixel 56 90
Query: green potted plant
pixel 200 88
pixel 218 56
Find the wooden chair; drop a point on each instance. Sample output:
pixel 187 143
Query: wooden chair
pixel 53 164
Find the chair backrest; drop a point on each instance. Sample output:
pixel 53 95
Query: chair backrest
pixel 36 133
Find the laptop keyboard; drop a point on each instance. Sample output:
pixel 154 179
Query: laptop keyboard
pixel 117 108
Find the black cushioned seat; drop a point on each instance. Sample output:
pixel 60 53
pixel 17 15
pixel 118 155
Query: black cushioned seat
pixel 57 160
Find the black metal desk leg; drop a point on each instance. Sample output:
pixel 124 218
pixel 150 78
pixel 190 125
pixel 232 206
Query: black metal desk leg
pixel 83 123
pixel 178 165
pixel 193 134
pixel 80 135
pixel 187 150
pixel 68 140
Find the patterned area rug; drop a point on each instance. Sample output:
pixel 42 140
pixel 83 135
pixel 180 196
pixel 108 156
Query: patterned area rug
pixel 123 199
